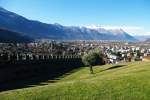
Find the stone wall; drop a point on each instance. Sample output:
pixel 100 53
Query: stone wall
pixel 24 67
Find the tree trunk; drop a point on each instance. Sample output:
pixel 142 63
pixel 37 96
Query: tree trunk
pixel 91 70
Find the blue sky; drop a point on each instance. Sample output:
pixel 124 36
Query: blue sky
pixel 131 15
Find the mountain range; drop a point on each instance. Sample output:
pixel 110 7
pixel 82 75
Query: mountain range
pixel 10 36
pixel 32 30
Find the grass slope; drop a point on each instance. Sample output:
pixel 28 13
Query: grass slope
pixel 126 81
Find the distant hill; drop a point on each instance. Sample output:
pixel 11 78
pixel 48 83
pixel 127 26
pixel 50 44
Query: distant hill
pixel 9 37
pixel 142 37
pixel 39 30
pixel 147 40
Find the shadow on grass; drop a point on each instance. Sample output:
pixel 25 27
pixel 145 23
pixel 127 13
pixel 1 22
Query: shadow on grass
pixel 116 66
pixel 110 68
pixel 41 79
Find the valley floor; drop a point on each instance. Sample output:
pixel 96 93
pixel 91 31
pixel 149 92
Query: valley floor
pixel 125 81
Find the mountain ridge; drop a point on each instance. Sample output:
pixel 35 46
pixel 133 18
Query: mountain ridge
pixel 37 30
pixel 13 37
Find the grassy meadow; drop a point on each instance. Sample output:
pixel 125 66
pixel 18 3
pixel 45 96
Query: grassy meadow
pixel 124 81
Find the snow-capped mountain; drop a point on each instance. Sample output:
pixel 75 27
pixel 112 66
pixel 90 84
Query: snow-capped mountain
pixel 117 32
pixel 39 30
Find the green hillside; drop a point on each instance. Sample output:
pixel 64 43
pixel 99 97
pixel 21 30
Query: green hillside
pixel 125 81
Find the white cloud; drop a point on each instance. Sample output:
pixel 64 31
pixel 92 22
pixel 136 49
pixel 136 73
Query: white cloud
pixel 123 27
pixel 148 33
pixel 133 30
pixel 136 31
